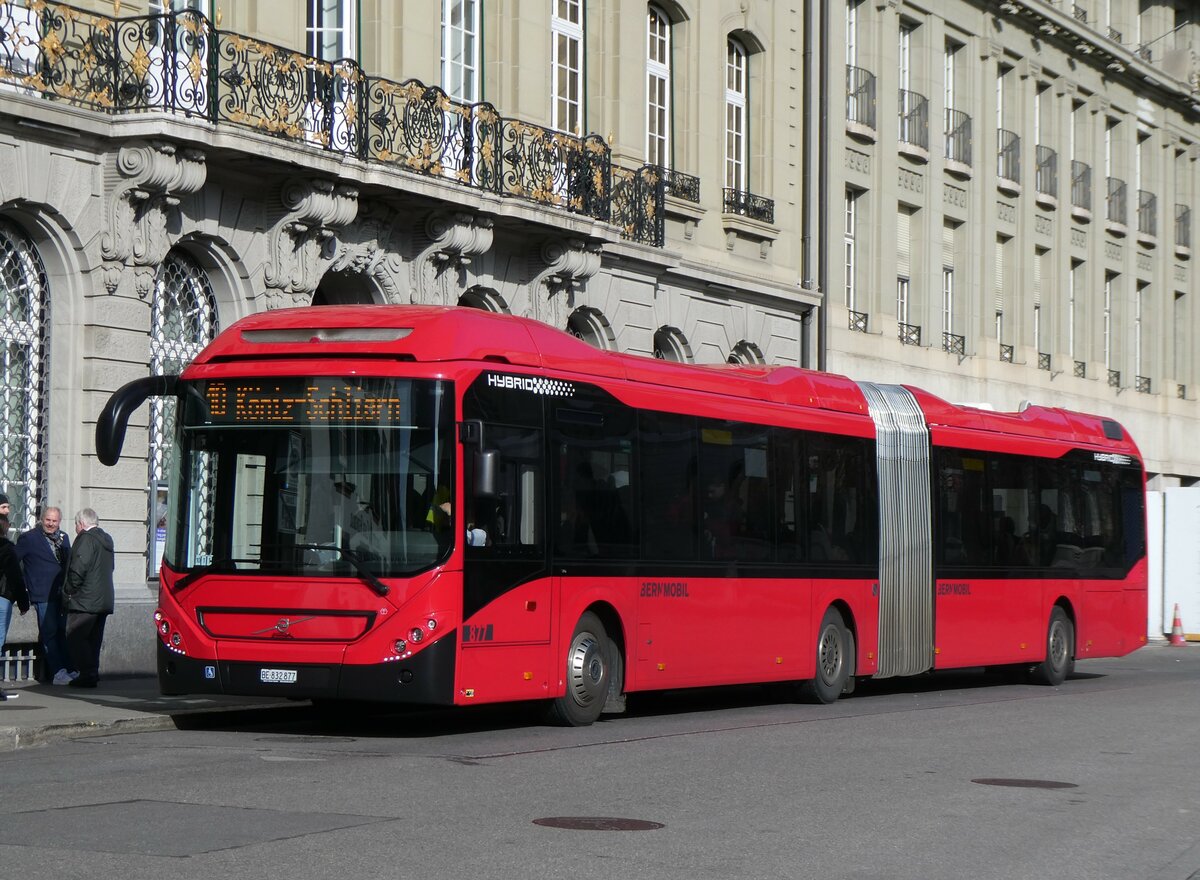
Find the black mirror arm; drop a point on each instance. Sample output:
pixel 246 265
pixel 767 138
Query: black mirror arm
pixel 114 418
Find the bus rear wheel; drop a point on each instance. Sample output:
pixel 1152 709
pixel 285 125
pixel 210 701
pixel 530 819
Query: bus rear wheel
pixel 1060 650
pixel 590 661
pixel 835 660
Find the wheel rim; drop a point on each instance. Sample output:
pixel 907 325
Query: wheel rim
pixel 829 654
pixel 587 668
pixel 1059 646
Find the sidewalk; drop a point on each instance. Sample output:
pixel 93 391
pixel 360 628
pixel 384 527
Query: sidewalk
pixel 36 714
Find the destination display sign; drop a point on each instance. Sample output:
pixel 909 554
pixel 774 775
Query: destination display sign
pixel 306 400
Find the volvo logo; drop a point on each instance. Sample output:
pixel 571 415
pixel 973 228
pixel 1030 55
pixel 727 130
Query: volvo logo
pixel 282 626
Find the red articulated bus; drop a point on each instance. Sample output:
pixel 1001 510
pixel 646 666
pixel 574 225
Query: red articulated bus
pixel 446 506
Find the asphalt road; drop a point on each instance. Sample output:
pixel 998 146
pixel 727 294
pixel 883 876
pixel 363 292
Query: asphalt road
pixel 944 776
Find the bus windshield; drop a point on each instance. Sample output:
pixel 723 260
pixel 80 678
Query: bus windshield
pixel 320 476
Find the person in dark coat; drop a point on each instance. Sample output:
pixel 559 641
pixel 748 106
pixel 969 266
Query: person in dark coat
pixel 43 554
pixel 88 595
pixel 12 584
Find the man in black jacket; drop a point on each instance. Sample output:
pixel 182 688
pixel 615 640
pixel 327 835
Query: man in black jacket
pixel 12 584
pixel 88 595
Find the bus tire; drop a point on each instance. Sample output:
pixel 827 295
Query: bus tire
pixel 589 664
pixel 835 646
pixel 1060 651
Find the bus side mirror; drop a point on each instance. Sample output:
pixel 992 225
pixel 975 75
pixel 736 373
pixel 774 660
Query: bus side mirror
pixel 487 463
pixel 114 418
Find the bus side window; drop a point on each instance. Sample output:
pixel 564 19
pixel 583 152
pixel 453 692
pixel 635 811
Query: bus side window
pixel 511 520
pixel 667 482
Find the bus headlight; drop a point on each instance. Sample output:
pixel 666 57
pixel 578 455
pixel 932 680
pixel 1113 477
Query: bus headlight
pixel 416 635
pixel 399 646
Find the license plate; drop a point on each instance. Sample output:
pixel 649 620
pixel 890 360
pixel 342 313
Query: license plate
pixel 277 676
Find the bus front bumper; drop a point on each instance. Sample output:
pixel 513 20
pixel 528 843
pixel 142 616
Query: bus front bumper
pixel 426 678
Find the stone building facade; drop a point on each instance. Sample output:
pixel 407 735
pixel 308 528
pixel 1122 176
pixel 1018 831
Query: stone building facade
pixel 698 180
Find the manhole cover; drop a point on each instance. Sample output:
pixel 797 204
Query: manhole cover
pixel 597 823
pixel 1026 783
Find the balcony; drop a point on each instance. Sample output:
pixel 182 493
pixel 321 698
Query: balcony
pixel 637 202
pixel 1114 378
pixel 1044 361
pixel 1080 370
pixel 958 142
pixel 746 204
pixel 1079 13
pixel 860 102
pixel 1081 190
pixel 1008 160
pixel 1115 210
pixel 858 321
pixel 1141 384
pixel 178 64
pixel 1147 217
pixel 954 344
pixel 1047 176
pixel 910 334
pixel 914 122
pixel 1006 353
pixel 1183 231
pixel 682 186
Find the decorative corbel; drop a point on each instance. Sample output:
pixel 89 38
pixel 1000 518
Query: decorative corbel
pixel 144 186
pixel 371 247
pixel 303 237
pixel 566 264
pixel 450 239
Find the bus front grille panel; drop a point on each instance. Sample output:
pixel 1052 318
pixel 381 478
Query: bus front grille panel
pixel 905 525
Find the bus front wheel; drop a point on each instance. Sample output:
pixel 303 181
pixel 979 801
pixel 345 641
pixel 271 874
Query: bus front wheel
pixel 1060 650
pixel 835 660
pixel 590 660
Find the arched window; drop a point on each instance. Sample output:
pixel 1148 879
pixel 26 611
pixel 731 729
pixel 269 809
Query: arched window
pixel 183 319
pixel 737 106
pixel 746 352
pixel 24 331
pixel 671 345
pixel 658 87
pixel 592 327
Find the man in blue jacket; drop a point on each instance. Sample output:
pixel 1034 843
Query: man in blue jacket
pixel 43 553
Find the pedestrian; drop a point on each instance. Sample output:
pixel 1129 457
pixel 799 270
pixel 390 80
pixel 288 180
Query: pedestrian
pixel 12 584
pixel 43 553
pixel 88 595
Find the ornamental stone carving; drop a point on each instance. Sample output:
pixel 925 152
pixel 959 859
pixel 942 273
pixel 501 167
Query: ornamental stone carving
pixel 372 247
pixel 565 265
pixel 302 239
pixel 448 240
pixel 144 186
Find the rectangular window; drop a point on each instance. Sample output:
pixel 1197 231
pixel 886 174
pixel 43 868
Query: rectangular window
pixel 735 519
pixel 736 104
pixel 331 29
pixel 669 499
pixel 848 236
pixel 905 48
pixel 902 288
pixel 852 33
pixel 658 88
pixel 566 77
pixel 460 49
pixel 1109 278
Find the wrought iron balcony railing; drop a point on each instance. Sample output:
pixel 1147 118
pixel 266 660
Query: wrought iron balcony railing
pixel 1115 35
pixel 1080 369
pixel 1181 392
pixel 637 201
pixel 1141 384
pixel 858 321
pixel 1114 378
pixel 1081 185
pixel 954 343
pixel 1044 361
pixel 958 136
pixel 178 63
pixel 1115 211
pixel 749 205
pixel 910 334
pixel 860 96
pixel 1183 226
pixel 1006 353
pixel 1079 12
pixel 1047 171
pixel 1147 213
pixel 682 186
pixel 914 119
pixel 1008 155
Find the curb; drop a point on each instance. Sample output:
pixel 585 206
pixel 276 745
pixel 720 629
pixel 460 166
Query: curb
pixel 15 738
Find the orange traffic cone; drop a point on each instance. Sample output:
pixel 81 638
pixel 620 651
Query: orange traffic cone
pixel 1177 639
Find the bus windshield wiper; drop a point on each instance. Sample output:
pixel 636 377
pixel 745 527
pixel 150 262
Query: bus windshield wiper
pixel 224 563
pixel 353 558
